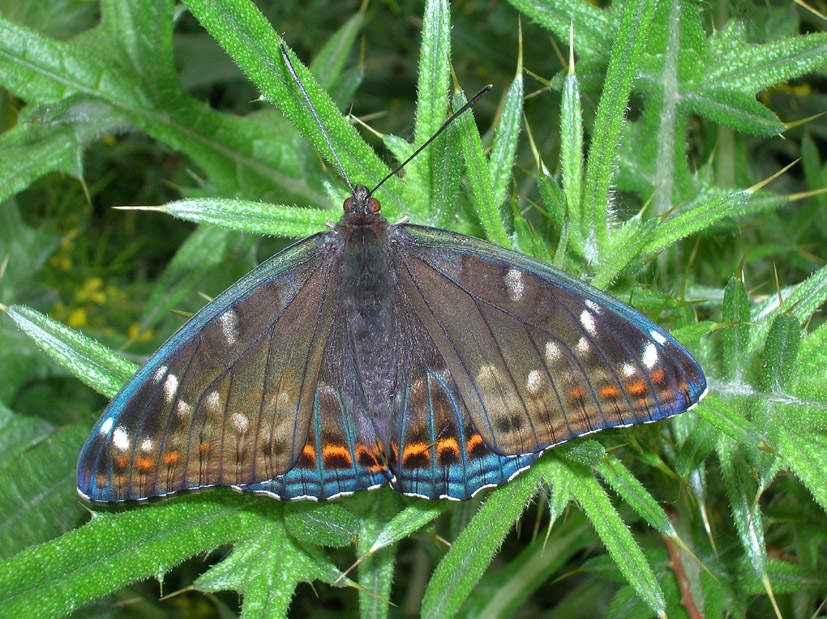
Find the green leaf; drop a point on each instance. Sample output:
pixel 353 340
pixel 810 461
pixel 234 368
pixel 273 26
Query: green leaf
pixel 464 564
pixel 115 549
pixel 377 567
pixel 802 300
pixel 94 364
pixel 613 533
pixel 571 158
pixel 504 149
pixel 479 177
pixel 331 60
pixel 736 334
pixel 245 216
pixel 265 567
pixel 730 422
pixel 431 110
pixel 500 594
pixel 39 501
pixel 592 24
pixel 408 521
pixel 635 495
pixel 623 65
pixel 30 153
pixel 780 352
pixel 324 525
pixel 746 512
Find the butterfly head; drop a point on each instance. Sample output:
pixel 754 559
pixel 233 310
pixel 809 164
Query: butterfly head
pixel 361 208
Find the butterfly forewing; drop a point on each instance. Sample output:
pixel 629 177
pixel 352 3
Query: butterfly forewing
pixel 537 356
pixel 229 398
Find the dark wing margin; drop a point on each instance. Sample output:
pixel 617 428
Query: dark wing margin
pixel 230 398
pixel 536 356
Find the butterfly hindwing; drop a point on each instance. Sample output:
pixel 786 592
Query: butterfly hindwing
pixel 437 451
pixel 537 356
pixel 340 453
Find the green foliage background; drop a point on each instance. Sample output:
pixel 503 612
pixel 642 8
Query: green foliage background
pixel 638 167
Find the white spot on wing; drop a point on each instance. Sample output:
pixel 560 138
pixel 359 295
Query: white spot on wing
pixel 159 374
pixel 650 355
pixel 515 285
pixel 213 402
pixel 628 370
pixel 229 326
pixel 146 444
pixel 593 306
pixel 281 400
pixel 658 337
pixel 182 408
pixel 120 439
pixel 552 352
pixel 240 422
pixel 170 388
pixel 106 426
pixel 487 374
pixel 534 382
pixel 587 320
pixel 582 345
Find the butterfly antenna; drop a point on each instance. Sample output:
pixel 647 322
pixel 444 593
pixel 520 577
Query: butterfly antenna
pixel 483 91
pixel 316 116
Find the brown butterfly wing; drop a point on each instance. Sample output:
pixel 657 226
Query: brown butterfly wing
pixel 229 398
pixel 537 356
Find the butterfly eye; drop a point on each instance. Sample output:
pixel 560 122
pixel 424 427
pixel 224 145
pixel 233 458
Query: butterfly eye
pixel 374 206
pixel 346 205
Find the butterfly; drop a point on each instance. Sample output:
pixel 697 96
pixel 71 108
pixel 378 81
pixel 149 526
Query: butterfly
pixel 377 353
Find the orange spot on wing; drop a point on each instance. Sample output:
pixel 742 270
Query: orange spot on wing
pixel 414 449
pixel 335 456
pixel 308 457
pixel 637 388
pixel 203 446
pixel 172 458
pixel 332 451
pixel 658 376
pixel 414 452
pixel 368 458
pixel 576 394
pixel 448 445
pixel 473 442
pixel 609 392
pixel 121 462
pixel 475 446
pixel 144 465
